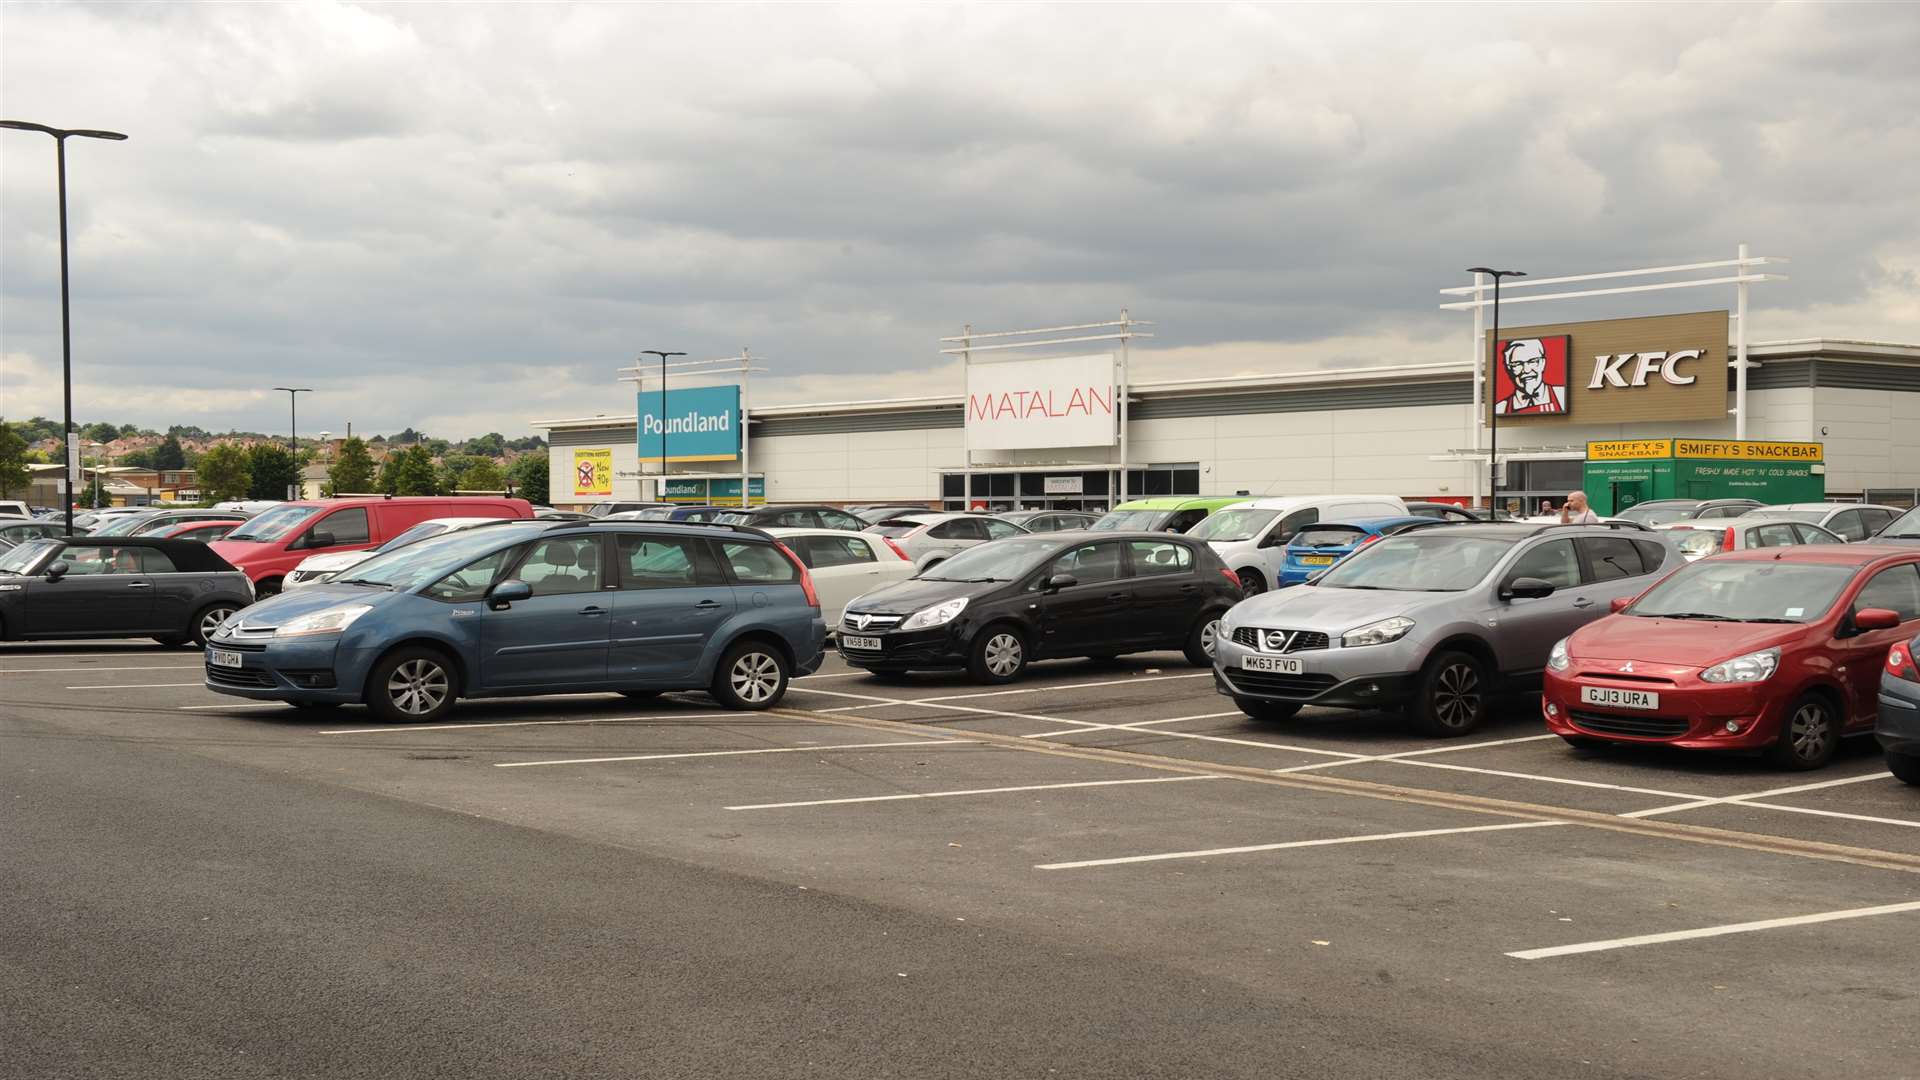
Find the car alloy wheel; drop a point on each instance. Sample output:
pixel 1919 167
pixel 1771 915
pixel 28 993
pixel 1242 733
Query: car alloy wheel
pixel 418 687
pixel 754 677
pixel 1809 737
pixel 1251 583
pixel 1003 654
pixel 1210 636
pixel 1456 696
pixel 210 621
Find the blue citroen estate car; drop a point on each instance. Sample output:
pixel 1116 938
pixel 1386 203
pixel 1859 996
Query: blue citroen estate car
pixel 532 607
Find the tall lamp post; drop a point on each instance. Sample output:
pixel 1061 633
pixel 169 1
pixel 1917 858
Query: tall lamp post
pixel 297 489
pixel 97 462
pixel 1493 406
pixel 662 493
pixel 60 137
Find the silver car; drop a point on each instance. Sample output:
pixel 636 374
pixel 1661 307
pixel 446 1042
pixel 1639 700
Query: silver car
pixel 1438 621
pixel 932 538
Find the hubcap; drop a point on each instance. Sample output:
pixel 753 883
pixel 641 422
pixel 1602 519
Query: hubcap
pixel 211 621
pixel 1810 731
pixel 417 687
pixel 1250 583
pixel 1003 654
pixel 1209 636
pixel 1456 695
pixel 755 677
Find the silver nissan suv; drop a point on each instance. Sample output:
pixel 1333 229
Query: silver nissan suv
pixel 1439 620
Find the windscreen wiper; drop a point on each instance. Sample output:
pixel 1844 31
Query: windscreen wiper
pixel 1688 615
pixel 361 581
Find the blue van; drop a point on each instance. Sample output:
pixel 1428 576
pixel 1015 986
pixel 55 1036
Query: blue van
pixel 534 607
pixel 1316 547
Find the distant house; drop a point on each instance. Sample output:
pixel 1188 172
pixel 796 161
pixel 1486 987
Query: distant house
pixel 313 481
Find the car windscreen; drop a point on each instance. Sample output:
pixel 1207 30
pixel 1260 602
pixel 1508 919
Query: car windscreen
pixel 435 557
pixel 1729 590
pixel 418 532
pixel 1231 525
pixel 1001 560
pixel 1327 536
pixel 1904 527
pixel 1698 543
pixel 1814 516
pixel 15 560
pixel 1656 515
pixel 1132 521
pixel 274 524
pixel 123 525
pixel 894 527
pixel 1419 563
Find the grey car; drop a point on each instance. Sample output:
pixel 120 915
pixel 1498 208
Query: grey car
pixel 1046 521
pixel 1436 621
pixel 174 591
pixel 1898 726
pixel 932 538
pixel 15 531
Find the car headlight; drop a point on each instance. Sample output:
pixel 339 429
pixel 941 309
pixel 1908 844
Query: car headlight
pixel 1753 667
pixel 1558 659
pixel 1377 633
pixel 326 621
pixel 938 615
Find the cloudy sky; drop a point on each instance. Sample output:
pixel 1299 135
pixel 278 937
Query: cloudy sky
pixel 463 217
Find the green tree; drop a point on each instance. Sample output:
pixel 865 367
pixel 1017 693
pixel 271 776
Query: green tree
pixel 94 494
pixel 492 444
pixel 13 461
pixel 528 475
pixel 484 476
pixel 102 432
pixel 224 472
pixel 353 470
pixel 139 459
pixel 169 454
pixel 410 472
pixel 273 470
pixel 128 431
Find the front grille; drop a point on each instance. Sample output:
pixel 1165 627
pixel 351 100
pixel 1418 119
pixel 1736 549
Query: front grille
pixel 1645 727
pixel 1267 682
pixel 1298 641
pixel 1615 676
pixel 239 646
pixel 258 680
pixel 875 623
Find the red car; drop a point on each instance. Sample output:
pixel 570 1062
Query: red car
pixel 204 531
pixel 1775 649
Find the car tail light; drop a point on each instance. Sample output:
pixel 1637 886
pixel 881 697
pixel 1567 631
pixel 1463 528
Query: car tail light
pixel 1230 576
pixel 1369 538
pixel 896 548
pixel 1900 663
pixel 1727 541
pixel 806 579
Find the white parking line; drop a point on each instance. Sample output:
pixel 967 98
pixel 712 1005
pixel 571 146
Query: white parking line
pixel 1133 726
pixel 89 668
pixel 1833 814
pixel 1064 686
pixel 1449 748
pixel 1546 779
pixel 972 791
pixel 1712 931
pixel 240 705
pixel 880 701
pixel 1699 801
pixel 922 743
pixel 402 729
pixel 141 686
pixel 1145 727
pixel 1327 842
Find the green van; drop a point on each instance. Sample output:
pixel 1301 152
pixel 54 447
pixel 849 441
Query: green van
pixel 1171 513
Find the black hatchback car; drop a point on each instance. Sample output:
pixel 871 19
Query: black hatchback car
pixel 173 591
pixel 993 608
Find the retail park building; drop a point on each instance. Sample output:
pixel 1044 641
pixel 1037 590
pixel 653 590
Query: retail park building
pixel 1034 433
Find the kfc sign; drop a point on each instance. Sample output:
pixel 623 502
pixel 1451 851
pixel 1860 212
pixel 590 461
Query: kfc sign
pixel 1058 401
pixel 1629 371
pixel 1606 369
pixel 1532 377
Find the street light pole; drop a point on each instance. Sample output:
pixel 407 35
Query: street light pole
pixel 661 494
pixel 60 136
pixel 293 414
pixel 1493 406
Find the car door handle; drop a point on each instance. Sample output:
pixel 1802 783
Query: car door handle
pixel 707 607
pixel 593 609
pixel 1116 596
pixel 1582 602
pixel 1189 588
pixel 139 584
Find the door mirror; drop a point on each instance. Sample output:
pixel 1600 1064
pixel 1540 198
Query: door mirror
pixel 1875 618
pixel 317 539
pixel 1276 538
pixel 57 569
pixel 1526 588
pixel 1620 604
pixel 503 595
pixel 1061 581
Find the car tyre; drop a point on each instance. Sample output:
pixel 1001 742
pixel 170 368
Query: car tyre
pixel 171 641
pixel 1271 711
pixel 1904 767
pixel 752 675
pixel 1202 639
pixel 412 685
pixel 264 589
pixel 1451 696
pixel 1251 582
pixel 641 695
pixel 889 676
pixel 1582 745
pixel 1809 735
pixel 998 654
pixel 208 619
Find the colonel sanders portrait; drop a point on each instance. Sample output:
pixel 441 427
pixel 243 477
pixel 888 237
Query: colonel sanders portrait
pixel 1526 362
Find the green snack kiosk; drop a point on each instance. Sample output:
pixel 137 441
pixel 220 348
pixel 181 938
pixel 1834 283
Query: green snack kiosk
pixel 1622 472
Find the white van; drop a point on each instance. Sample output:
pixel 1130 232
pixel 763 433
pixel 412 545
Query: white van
pixel 1251 537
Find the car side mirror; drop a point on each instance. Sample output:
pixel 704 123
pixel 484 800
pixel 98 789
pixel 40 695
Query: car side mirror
pixel 57 569
pixel 318 540
pixel 1526 588
pixel 503 595
pixel 1061 581
pixel 1275 539
pixel 1875 618
pixel 1619 604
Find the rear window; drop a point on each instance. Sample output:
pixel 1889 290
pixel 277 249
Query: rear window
pixel 1697 543
pixel 893 528
pixel 1328 536
pixel 758 564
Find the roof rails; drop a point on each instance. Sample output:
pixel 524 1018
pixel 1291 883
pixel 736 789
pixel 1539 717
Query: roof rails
pixel 1632 526
pixel 597 522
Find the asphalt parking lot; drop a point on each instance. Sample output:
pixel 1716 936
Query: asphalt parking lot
pixel 1493 906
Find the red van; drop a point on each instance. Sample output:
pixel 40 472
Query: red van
pixel 273 542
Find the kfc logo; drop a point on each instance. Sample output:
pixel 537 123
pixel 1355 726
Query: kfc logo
pixel 1531 378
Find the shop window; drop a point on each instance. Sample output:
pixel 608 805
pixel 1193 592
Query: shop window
pixel 953 485
pixel 1001 485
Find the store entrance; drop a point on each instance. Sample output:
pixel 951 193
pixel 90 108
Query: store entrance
pixel 1091 490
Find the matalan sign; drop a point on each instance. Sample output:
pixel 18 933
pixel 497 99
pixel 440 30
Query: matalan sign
pixel 1057 401
pixel 1662 367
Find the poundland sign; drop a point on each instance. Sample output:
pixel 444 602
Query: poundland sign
pixel 1026 404
pixel 700 424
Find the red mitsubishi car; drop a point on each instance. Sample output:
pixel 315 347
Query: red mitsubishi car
pixel 1774 649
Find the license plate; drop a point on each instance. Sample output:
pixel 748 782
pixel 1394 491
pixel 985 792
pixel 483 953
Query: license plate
pixel 1279 665
pixel 224 658
pixel 1316 560
pixel 1619 699
pixel 871 644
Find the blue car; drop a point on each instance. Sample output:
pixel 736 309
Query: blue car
pixel 534 607
pixel 1316 547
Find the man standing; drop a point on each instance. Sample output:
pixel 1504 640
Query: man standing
pixel 1576 511
pixel 1526 362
